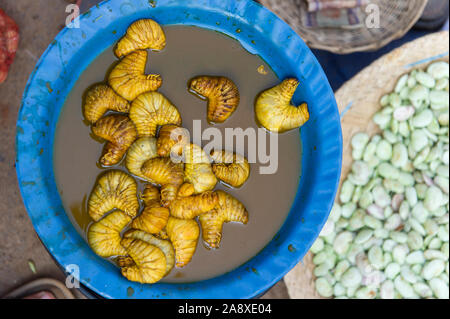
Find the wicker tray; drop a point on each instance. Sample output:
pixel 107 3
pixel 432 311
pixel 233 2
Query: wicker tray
pixel 396 18
pixel 358 101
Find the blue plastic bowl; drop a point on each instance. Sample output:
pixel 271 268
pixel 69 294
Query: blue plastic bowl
pixel 261 32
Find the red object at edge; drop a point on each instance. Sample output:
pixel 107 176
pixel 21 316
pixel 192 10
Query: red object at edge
pixel 9 41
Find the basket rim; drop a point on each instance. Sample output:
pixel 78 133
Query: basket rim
pixel 359 48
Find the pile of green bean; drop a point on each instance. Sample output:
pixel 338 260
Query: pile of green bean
pixel 389 236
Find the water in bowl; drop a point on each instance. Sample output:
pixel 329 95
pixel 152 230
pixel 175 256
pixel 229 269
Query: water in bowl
pixel 190 52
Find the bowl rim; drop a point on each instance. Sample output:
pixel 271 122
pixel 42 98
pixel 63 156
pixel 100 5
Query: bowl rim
pixel 260 32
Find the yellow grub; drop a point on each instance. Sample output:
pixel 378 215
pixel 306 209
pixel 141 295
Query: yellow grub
pixel 128 77
pixel 140 151
pixel 154 217
pixel 104 235
pixel 120 133
pixel 165 245
pixel 232 169
pixel 149 261
pixel 222 94
pixel 101 98
pixel 113 190
pixel 142 34
pixel 151 110
pixel 193 206
pixel 228 209
pixel 184 234
pixel 169 175
pixel 274 110
pixel 152 220
pixel 171 139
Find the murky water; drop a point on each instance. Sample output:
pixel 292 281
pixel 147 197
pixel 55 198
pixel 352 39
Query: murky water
pixel 189 52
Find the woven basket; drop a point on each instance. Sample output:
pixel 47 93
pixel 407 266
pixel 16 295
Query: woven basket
pixel 396 18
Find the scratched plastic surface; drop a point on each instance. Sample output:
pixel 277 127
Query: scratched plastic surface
pixel 260 32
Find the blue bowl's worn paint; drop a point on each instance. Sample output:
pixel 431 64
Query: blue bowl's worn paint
pixel 259 31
